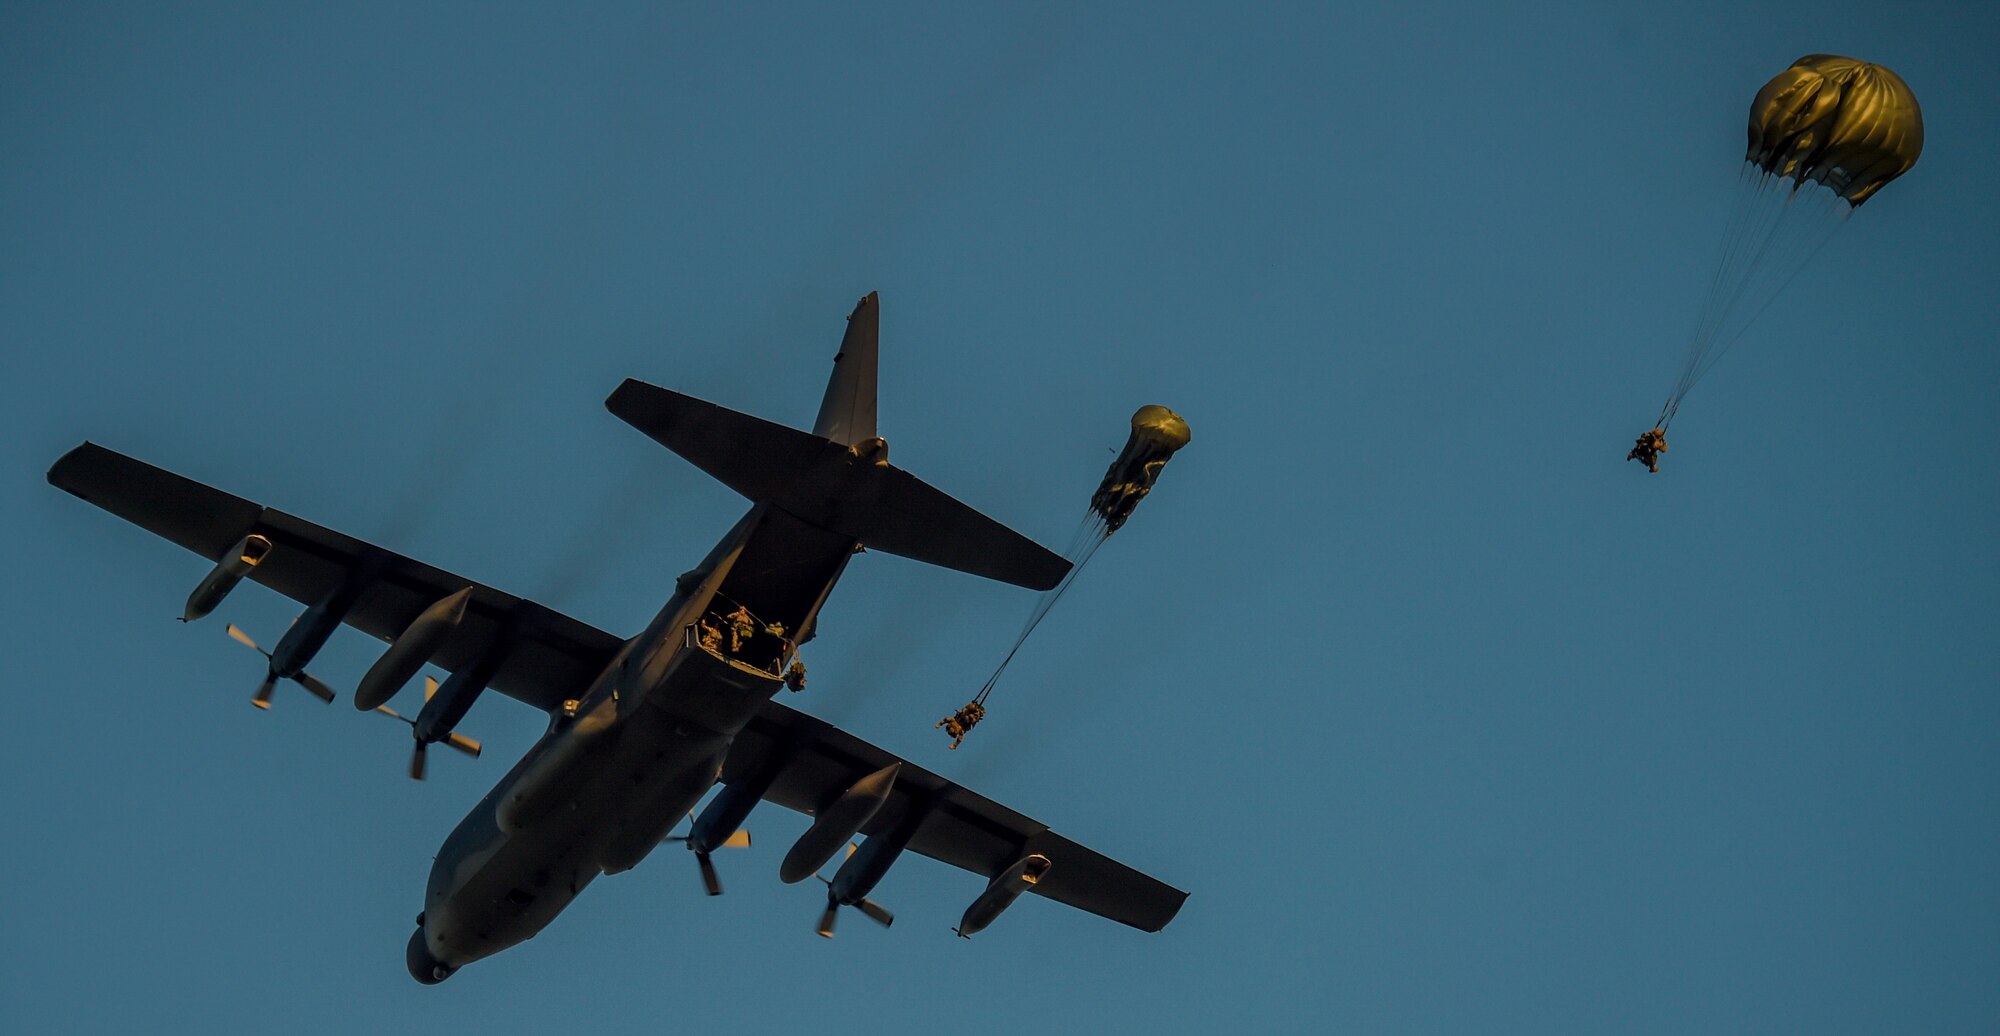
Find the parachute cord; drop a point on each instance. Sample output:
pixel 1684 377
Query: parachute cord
pixel 1090 535
pixel 1707 335
pixel 1735 232
pixel 1776 227
pixel 1752 221
pixel 1794 255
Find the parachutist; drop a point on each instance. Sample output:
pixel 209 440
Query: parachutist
pixel 1648 449
pixel 1827 121
pixel 960 723
pixel 742 626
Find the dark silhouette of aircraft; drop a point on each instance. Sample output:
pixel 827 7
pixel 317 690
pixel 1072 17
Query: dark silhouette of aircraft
pixel 641 728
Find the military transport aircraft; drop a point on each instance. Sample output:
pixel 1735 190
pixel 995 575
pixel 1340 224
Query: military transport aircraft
pixel 641 728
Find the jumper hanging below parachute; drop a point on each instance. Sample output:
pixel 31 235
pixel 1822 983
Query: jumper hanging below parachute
pixel 1648 449
pixel 1824 136
pixel 1157 433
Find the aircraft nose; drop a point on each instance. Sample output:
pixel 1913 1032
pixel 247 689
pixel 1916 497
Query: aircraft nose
pixel 424 967
pixel 444 936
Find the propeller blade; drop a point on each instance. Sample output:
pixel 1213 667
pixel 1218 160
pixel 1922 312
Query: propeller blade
pixel 877 912
pixel 318 687
pixel 739 840
pixel 236 633
pixel 263 698
pixel 826 918
pixel 393 714
pixel 463 744
pixel 430 687
pixel 417 762
pixel 709 879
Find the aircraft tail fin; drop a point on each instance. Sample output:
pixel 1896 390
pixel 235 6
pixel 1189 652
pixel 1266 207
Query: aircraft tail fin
pixel 847 413
pixel 845 487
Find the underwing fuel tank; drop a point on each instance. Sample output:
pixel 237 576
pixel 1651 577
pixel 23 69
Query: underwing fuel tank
pixel 410 650
pixel 248 553
pixel 1001 893
pixel 837 823
pixel 1157 433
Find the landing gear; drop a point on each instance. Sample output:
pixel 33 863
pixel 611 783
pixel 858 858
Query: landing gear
pixel 424 967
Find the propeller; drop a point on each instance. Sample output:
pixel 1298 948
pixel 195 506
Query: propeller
pixel 709 879
pixel 876 912
pixel 263 697
pixel 454 739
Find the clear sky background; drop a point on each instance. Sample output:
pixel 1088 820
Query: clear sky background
pixel 1448 718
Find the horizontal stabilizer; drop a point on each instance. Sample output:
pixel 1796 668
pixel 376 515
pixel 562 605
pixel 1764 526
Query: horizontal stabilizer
pixel 827 484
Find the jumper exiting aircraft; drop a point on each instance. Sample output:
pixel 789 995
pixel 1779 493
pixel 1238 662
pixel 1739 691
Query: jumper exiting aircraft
pixel 641 728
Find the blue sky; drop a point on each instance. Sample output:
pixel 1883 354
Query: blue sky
pixel 1448 718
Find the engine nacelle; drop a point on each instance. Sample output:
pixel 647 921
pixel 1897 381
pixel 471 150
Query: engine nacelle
pixel 410 650
pixel 442 713
pixel 1001 893
pixel 248 553
pixel 297 647
pixel 837 823
pixel 725 816
pixel 859 875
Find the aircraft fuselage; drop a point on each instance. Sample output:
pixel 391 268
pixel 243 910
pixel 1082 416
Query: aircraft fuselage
pixel 613 775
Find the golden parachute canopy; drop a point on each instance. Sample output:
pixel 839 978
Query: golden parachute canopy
pixel 1845 123
pixel 1156 434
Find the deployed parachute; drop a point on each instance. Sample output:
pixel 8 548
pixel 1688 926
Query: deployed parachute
pixel 1847 124
pixel 1824 136
pixel 1157 433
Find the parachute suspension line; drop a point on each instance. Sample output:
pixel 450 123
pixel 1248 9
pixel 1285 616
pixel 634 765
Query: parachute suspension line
pixel 1792 250
pixel 1745 246
pixel 1776 226
pixel 1090 535
pixel 1736 234
pixel 1758 209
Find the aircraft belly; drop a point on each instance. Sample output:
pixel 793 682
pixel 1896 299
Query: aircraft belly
pixel 491 889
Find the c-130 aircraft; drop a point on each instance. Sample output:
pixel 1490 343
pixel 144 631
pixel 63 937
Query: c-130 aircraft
pixel 640 729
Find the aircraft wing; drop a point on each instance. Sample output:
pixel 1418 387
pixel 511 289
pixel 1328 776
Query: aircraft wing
pixel 550 656
pixel 961 827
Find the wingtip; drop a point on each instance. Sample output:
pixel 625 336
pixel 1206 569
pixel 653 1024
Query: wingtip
pixel 1173 913
pixel 623 393
pixel 1051 572
pixel 59 472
